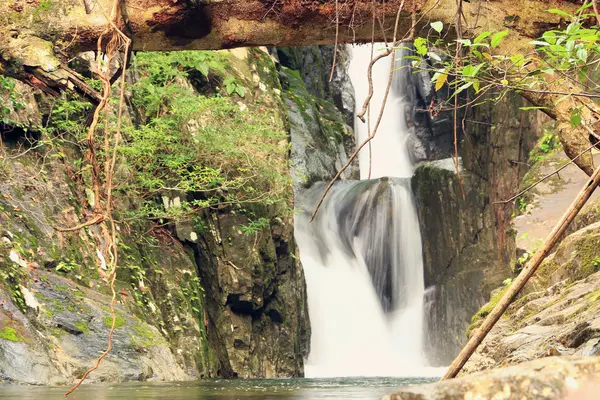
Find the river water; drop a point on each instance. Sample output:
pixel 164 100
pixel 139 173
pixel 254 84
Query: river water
pixel 247 389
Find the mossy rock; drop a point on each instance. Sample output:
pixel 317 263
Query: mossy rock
pixel 8 333
pixel 484 311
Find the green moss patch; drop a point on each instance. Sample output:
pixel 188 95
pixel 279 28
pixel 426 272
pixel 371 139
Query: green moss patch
pixel 119 321
pixel 484 311
pixel 8 333
pixel 82 326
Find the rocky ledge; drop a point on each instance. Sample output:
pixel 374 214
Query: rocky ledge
pixel 562 320
pixel 572 378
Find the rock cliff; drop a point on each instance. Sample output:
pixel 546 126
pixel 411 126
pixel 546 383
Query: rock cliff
pixel 207 285
pixel 468 243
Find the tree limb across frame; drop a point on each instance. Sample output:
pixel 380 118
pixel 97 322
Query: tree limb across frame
pixel 38 39
pixel 163 25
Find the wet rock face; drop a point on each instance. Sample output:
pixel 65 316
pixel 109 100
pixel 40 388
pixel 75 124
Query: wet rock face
pixel 55 306
pixel 314 64
pixel 191 303
pixel 432 130
pixel 67 330
pixel 460 256
pixel 573 378
pixel 320 113
pixel 255 297
pixel 467 245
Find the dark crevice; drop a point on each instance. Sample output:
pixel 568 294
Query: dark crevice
pixel 15 136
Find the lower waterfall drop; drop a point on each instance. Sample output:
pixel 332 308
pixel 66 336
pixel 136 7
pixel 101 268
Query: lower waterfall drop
pixel 362 254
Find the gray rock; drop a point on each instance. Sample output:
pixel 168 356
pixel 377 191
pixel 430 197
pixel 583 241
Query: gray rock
pixel 549 378
pixel 322 138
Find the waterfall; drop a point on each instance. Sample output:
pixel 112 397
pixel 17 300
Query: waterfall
pixel 362 254
pixel 389 151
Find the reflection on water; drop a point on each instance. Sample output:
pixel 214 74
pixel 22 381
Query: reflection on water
pixel 248 389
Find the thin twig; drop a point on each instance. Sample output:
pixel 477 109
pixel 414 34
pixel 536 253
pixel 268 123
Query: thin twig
pixel 528 188
pixel 596 11
pixel 94 221
pixel 369 107
pixel 337 35
pixel 457 61
pixel 111 235
pixel 361 114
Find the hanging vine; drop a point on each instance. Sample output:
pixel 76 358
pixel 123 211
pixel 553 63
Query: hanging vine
pixel 110 43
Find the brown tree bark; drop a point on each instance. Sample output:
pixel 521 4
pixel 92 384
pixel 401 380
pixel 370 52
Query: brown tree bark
pixel 162 25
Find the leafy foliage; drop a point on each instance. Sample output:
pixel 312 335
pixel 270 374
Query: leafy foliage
pixel 255 226
pixel 10 99
pixel 232 86
pixel 571 52
pixel 219 151
pixel 190 133
pixel 545 146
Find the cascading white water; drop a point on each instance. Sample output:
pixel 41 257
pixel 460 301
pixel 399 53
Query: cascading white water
pixel 389 155
pixel 362 254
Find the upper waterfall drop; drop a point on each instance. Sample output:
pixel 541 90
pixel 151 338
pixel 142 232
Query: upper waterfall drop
pixel 389 154
pixel 362 254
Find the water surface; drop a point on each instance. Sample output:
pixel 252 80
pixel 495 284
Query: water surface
pixel 247 389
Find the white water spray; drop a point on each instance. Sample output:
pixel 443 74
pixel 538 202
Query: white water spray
pixel 362 254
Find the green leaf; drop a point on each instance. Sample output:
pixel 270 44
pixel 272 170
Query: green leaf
pixel 434 56
pixel 421 46
pixel 549 37
pixel 230 88
pixel 539 43
pixel 465 42
pixel 203 68
pixel 482 36
pixel 573 28
pixel 497 38
pixel 575 118
pixel 437 26
pixel 439 83
pixel 463 87
pixel 240 90
pixel 471 71
pixel 229 80
pixel 569 46
pixel 559 12
pixel 582 54
pixel 518 60
pixel 583 7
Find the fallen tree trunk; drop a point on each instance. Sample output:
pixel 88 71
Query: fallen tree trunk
pixel 553 238
pixel 38 37
pixel 162 25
